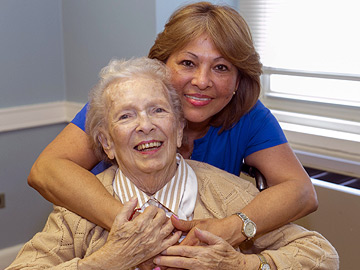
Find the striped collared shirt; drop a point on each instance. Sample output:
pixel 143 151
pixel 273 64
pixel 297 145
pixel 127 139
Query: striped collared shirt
pixel 178 195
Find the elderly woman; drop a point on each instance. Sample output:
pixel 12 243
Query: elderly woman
pixel 135 121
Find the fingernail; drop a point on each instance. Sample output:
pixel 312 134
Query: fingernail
pixel 157 268
pixel 156 261
pixel 175 216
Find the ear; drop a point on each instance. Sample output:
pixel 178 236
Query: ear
pixel 107 144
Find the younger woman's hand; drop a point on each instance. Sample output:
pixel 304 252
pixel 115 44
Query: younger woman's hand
pixel 228 228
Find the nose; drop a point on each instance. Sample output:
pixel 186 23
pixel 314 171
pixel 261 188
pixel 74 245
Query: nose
pixel 145 123
pixel 202 78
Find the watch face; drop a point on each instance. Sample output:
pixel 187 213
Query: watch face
pixel 265 267
pixel 250 229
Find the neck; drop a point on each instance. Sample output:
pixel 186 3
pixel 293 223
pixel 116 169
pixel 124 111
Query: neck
pixel 197 130
pixel 152 182
pixel 192 132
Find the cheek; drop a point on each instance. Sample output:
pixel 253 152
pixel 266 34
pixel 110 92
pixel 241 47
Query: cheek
pixel 120 136
pixel 172 133
pixel 178 80
pixel 227 89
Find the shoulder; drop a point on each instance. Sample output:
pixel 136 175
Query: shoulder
pixel 80 118
pixel 62 229
pixel 70 220
pixel 258 111
pixel 258 116
pixel 106 177
pixel 214 180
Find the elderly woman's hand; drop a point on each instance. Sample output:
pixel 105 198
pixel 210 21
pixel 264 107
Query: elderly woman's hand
pixel 214 253
pixel 216 226
pixel 132 242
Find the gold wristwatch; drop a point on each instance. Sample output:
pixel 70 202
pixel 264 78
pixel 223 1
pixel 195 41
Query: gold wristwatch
pixel 263 263
pixel 249 227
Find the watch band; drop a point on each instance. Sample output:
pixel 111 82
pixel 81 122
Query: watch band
pixel 263 263
pixel 243 216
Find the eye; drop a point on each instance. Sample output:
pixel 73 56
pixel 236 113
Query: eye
pixel 221 67
pixel 159 110
pixel 187 63
pixel 124 116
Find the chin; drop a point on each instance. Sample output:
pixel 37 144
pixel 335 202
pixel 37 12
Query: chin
pixel 152 168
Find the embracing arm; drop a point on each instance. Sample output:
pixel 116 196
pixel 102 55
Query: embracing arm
pixel 61 175
pixel 290 195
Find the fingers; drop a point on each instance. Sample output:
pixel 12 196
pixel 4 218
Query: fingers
pixel 154 221
pixel 174 262
pixel 171 240
pixel 207 237
pixel 181 251
pixel 147 265
pixel 156 215
pixel 167 228
pixel 160 220
pixel 182 225
pixel 126 211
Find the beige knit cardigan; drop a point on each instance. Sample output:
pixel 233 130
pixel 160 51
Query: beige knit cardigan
pixel 67 237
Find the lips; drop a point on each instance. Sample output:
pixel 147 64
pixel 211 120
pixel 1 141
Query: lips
pixel 198 100
pixel 148 146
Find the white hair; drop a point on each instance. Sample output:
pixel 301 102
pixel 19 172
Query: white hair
pixel 118 70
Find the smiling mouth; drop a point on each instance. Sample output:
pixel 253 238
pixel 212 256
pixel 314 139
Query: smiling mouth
pixel 198 98
pixel 148 146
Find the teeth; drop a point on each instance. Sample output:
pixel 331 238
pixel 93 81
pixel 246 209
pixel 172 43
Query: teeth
pixel 148 145
pixel 197 98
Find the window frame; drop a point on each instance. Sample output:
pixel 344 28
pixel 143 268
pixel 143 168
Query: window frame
pixel 323 134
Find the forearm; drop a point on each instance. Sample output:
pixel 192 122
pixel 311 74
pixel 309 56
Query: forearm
pixel 61 175
pixel 274 207
pixel 66 184
pixel 290 195
pixel 95 263
pixel 279 205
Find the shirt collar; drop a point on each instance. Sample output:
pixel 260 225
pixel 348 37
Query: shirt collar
pixel 178 195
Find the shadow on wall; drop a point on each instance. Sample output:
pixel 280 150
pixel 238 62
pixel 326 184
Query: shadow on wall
pixel 7 255
pixel 25 210
pixel 338 219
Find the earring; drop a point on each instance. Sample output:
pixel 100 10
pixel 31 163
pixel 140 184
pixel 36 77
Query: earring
pixel 234 92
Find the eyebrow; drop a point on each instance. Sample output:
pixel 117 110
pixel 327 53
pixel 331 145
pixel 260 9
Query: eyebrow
pixel 217 58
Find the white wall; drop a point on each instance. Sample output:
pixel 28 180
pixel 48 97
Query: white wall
pixel 164 8
pixel 31 55
pixel 25 210
pixel 96 31
pixel 31 72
